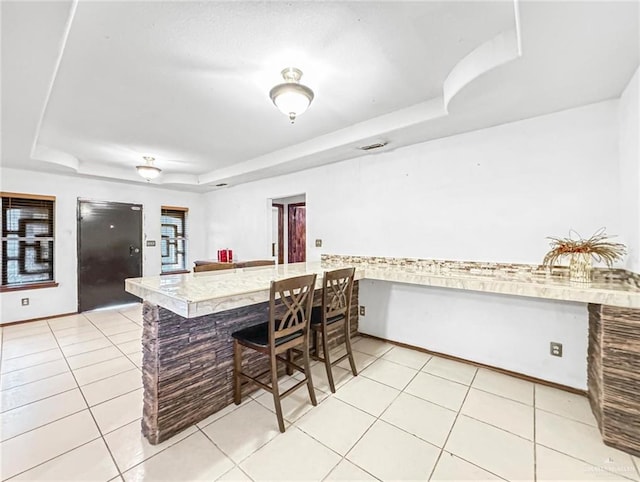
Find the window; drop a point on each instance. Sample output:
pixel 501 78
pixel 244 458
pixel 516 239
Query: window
pixel 174 239
pixel 27 240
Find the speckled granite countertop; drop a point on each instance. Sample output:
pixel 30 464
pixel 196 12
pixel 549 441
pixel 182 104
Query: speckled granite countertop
pixel 196 294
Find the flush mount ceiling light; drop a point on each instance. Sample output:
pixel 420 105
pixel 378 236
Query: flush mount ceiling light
pixel 291 97
pixel 148 170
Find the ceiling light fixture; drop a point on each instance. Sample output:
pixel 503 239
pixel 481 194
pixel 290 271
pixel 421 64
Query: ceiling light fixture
pixel 148 170
pixel 291 97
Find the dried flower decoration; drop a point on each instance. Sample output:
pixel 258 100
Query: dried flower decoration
pixel 598 246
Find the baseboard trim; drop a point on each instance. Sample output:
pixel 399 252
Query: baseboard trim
pixel 482 365
pixel 12 323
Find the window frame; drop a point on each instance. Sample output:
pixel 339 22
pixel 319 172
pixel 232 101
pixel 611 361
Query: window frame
pixel 181 213
pixel 30 285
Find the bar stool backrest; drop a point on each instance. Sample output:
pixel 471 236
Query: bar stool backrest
pixel 336 292
pixel 296 296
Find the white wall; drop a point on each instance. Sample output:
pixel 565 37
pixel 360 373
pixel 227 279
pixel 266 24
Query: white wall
pixel 498 330
pixel 492 194
pixel 64 299
pixel 630 169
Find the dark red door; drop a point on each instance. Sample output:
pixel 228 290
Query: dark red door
pixel 297 233
pixel 109 251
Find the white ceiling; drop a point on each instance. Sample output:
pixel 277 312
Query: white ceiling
pixel 90 87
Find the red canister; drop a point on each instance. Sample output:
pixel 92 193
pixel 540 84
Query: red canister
pixel 225 255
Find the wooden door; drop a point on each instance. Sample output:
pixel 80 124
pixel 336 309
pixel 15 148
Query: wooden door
pixel 297 238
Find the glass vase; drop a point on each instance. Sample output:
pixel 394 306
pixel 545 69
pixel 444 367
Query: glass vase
pixel 580 267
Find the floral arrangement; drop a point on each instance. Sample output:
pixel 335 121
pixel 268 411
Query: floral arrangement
pixel 598 246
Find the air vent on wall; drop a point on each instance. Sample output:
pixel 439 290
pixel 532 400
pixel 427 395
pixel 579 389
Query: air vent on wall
pixel 370 147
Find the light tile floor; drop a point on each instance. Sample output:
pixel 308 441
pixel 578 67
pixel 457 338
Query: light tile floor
pixel 71 395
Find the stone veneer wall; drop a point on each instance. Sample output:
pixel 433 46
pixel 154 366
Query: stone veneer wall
pixel 614 374
pixel 187 367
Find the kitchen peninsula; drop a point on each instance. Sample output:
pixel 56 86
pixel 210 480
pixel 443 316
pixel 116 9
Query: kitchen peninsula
pixel 188 320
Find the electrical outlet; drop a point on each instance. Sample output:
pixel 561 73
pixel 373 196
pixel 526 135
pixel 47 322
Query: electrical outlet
pixel 318 243
pixel 25 301
pixel 555 348
pixel 362 311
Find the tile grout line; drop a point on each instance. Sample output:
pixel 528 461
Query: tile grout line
pixel 235 464
pixel 40 399
pixel 293 425
pixel 636 465
pixel 117 346
pixel 378 418
pixel 66 416
pixel 59 349
pixel 156 454
pixel 34 365
pixel 331 395
pixel 458 414
pixel 45 424
pixel 32 381
pixel 98 362
pixel 444 444
pixel 53 458
pixel 90 411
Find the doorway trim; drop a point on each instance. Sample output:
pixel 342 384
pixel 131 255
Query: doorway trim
pixel 280 253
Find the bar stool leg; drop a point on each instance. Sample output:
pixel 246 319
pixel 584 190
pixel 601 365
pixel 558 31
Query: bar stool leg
pixel 237 368
pixel 290 360
pixel 275 391
pixel 327 360
pixel 347 342
pixel 316 343
pixel 307 373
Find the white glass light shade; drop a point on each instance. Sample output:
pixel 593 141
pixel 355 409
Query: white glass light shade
pixel 290 100
pixel 291 97
pixel 148 170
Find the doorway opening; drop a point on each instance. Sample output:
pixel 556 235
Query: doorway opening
pixel 289 229
pixel 109 251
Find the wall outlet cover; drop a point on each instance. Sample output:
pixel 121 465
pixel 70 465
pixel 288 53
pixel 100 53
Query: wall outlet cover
pixel 318 243
pixel 555 349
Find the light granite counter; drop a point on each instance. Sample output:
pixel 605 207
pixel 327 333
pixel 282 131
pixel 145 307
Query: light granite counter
pixel 196 294
pixel 189 318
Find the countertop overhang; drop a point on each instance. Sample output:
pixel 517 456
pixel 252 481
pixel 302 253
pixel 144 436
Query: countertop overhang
pixel 197 294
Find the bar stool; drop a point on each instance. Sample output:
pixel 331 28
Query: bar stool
pixel 337 288
pixel 287 328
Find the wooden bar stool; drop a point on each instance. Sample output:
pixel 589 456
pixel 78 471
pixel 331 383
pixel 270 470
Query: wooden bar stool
pixel 337 288
pixel 287 328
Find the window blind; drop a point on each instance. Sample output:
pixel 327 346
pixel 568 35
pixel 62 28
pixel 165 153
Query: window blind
pixel 27 239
